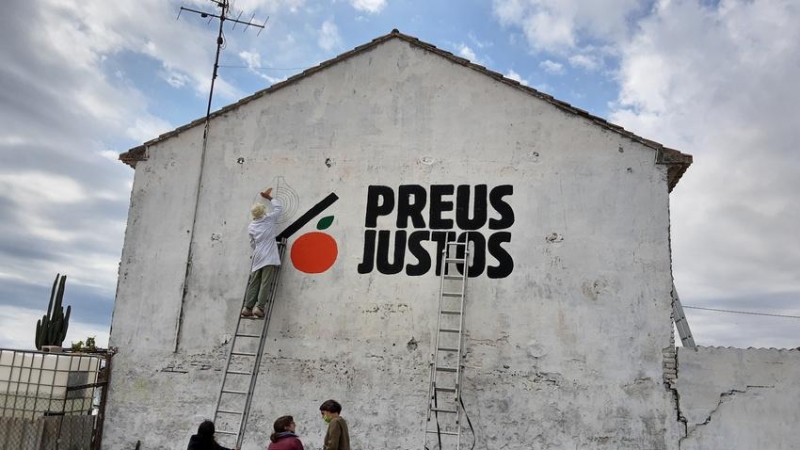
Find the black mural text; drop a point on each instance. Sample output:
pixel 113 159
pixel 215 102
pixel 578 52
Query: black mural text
pixel 419 220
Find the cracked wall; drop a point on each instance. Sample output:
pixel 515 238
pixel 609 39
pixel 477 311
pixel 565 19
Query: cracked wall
pixel 739 398
pixel 564 352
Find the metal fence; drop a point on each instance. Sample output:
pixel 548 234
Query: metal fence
pixel 52 401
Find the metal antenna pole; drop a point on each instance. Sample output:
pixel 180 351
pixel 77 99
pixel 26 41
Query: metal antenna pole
pixel 220 41
pixel 224 6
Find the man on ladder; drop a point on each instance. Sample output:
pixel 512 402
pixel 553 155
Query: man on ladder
pixel 266 259
pixel 247 345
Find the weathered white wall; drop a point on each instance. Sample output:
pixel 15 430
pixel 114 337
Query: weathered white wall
pixel 739 399
pixel 565 352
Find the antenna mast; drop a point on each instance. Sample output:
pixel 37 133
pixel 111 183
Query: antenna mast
pixel 224 6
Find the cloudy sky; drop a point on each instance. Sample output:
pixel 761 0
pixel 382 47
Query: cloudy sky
pixel 82 81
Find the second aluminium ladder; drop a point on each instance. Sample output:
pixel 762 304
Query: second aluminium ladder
pixel 443 421
pixel 680 321
pixel 242 365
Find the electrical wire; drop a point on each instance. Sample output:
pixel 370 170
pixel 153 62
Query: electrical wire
pixel 261 68
pixel 787 316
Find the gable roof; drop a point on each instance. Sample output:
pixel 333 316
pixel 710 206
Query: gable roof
pixel 676 161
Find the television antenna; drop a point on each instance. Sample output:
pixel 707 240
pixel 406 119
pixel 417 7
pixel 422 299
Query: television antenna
pixel 224 15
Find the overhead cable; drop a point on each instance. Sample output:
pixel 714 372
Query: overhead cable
pixel 787 316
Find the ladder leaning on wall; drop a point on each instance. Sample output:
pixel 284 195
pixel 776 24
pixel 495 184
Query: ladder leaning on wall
pixel 242 366
pixel 443 419
pixel 680 321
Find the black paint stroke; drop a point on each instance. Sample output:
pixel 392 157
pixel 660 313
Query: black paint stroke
pixel 305 218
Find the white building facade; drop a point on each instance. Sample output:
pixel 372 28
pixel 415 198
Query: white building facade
pixel 568 303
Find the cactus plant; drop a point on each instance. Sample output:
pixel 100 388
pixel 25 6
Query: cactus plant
pixel 52 328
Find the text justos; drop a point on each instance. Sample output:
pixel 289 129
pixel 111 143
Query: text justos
pixel 419 221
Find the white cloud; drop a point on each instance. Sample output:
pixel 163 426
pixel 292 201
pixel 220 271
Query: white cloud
pixel 252 59
pixel 146 128
pixel 12 139
pixel 36 196
pixel 146 27
pixel 569 27
pixel 544 87
pixel 478 42
pixel 329 37
pixel 555 25
pixel 515 76
pixel 40 188
pixel 587 62
pixel 510 11
pixel 466 52
pixel 551 66
pixel 175 79
pixel 257 7
pixel 370 6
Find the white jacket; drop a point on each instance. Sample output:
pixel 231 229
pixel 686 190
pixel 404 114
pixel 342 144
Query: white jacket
pixel 262 238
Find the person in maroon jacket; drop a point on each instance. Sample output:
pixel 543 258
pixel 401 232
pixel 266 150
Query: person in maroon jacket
pixel 284 438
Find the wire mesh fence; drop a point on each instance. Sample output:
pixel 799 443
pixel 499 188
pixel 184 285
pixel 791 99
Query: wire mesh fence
pixel 47 433
pixel 51 400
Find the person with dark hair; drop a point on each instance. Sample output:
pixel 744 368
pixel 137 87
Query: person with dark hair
pixel 337 437
pixel 204 439
pixel 284 437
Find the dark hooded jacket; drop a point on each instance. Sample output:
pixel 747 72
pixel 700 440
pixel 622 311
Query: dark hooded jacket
pixel 286 441
pixel 197 442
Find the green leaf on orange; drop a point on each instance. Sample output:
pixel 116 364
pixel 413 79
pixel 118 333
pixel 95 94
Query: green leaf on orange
pixel 324 223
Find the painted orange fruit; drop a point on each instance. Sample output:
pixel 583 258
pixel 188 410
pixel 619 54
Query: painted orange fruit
pixel 314 252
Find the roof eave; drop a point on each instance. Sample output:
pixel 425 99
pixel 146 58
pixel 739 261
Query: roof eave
pixel 677 161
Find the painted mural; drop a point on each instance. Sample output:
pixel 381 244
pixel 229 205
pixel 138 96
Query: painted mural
pixel 406 230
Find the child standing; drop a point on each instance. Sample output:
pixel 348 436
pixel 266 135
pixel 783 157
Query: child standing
pixel 337 437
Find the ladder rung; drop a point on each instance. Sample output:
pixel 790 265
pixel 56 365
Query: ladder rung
pixel 450 312
pixel 239 372
pixel 446 433
pixel 232 433
pixel 446 369
pixel 247 335
pixel 449 411
pixel 451 294
pixel 243 354
pixel 457 244
pixel 453 277
pixel 250 317
pixel 229 412
pixel 234 392
pixel 445 389
pixel 455 260
pixel 449 330
pixel 447 349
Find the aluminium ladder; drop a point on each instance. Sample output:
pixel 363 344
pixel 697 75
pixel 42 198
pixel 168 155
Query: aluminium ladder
pixel 238 383
pixel 444 411
pixel 680 321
